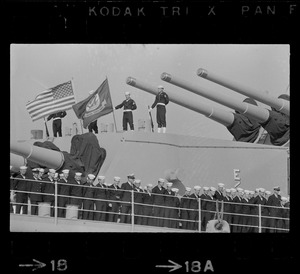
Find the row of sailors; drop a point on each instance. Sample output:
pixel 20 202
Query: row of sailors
pixel 156 207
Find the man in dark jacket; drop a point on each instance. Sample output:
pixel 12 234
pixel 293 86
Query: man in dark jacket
pixel 49 189
pixel 148 206
pixel 184 208
pixel 76 192
pixel 36 191
pixel 21 184
pixel 125 197
pixel 158 202
pixel 273 203
pixel 101 193
pixel 88 193
pixel 63 189
pixel 114 196
pixel 57 124
pixel 194 206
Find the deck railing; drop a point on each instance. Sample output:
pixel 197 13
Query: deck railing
pixel 260 218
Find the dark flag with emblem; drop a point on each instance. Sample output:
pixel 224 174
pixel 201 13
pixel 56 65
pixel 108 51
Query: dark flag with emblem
pixel 96 105
pixel 52 100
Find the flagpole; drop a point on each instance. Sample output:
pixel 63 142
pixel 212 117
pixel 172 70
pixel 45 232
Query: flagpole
pixel 112 108
pixel 80 120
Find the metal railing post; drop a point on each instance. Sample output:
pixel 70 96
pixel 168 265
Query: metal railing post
pixel 55 202
pixel 199 214
pixel 259 218
pixel 132 210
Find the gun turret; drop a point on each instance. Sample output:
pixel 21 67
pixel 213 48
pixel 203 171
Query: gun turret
pixel 226 118
pixel 42 156
pixel 260 114
pixel 277 103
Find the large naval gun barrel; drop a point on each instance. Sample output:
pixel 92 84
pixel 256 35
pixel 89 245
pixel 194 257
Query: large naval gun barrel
pixel 45 157
pixel 249 110
pixel 226 118
pixel 277 103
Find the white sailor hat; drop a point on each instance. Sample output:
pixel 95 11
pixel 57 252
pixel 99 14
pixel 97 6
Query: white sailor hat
pixel 197 187
pixel 239 189
pixel 233 190
pixel 91 176
pixel 213 188
pixel 35 170
pixel 175 189
pixel 65 171
pixel 51 170
pixel 137 181
pixel 205 188
pixel 247 191
pixel 284 199
pixel 221 185
pixel 228 190
pixel 117 179
pixel 160 87
pixel 127 93
pixel 188 188
pixel 277 188
pixel 107 184
pixel 23 167
pixel 101 177
pixel 161 180
pixel 268 192
pixel 251 192
pixel 61 175
pixel 257 189
pixel 78 173
pixel 42 170
pixel 149 185
pixel 169 184
pixel 262 189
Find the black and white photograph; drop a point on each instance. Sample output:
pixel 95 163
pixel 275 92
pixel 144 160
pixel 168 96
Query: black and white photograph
pixel 150 129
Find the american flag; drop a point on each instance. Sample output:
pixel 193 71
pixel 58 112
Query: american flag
pixel 58 98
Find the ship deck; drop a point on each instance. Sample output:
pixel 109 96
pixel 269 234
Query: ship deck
pixel 29 223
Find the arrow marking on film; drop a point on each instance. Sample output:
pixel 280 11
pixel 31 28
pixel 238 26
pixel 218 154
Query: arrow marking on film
pixel 173 267
pixel 37 265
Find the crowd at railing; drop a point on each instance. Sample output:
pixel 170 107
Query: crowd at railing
pixel 65 197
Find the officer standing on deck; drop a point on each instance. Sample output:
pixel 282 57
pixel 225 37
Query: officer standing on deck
pixel 129 105
pixel 161 100
pixel 56 125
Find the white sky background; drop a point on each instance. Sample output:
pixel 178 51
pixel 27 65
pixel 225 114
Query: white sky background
pixel 37 67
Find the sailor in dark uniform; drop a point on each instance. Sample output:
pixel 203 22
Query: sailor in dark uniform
pixel 168 204
pixel 36 192
pixel 161 100
pixel 56 125
pixel 100 199
pixel 148 206
pixel 194 205
pixel 138 201
pixel 274 203
pixel 158 202
pixel 63 189
pixel 88 193
pixel 184 206
pixel 125 196
pixel 114 196
pixel 76 192
pixel 49 188
pixel 129 105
